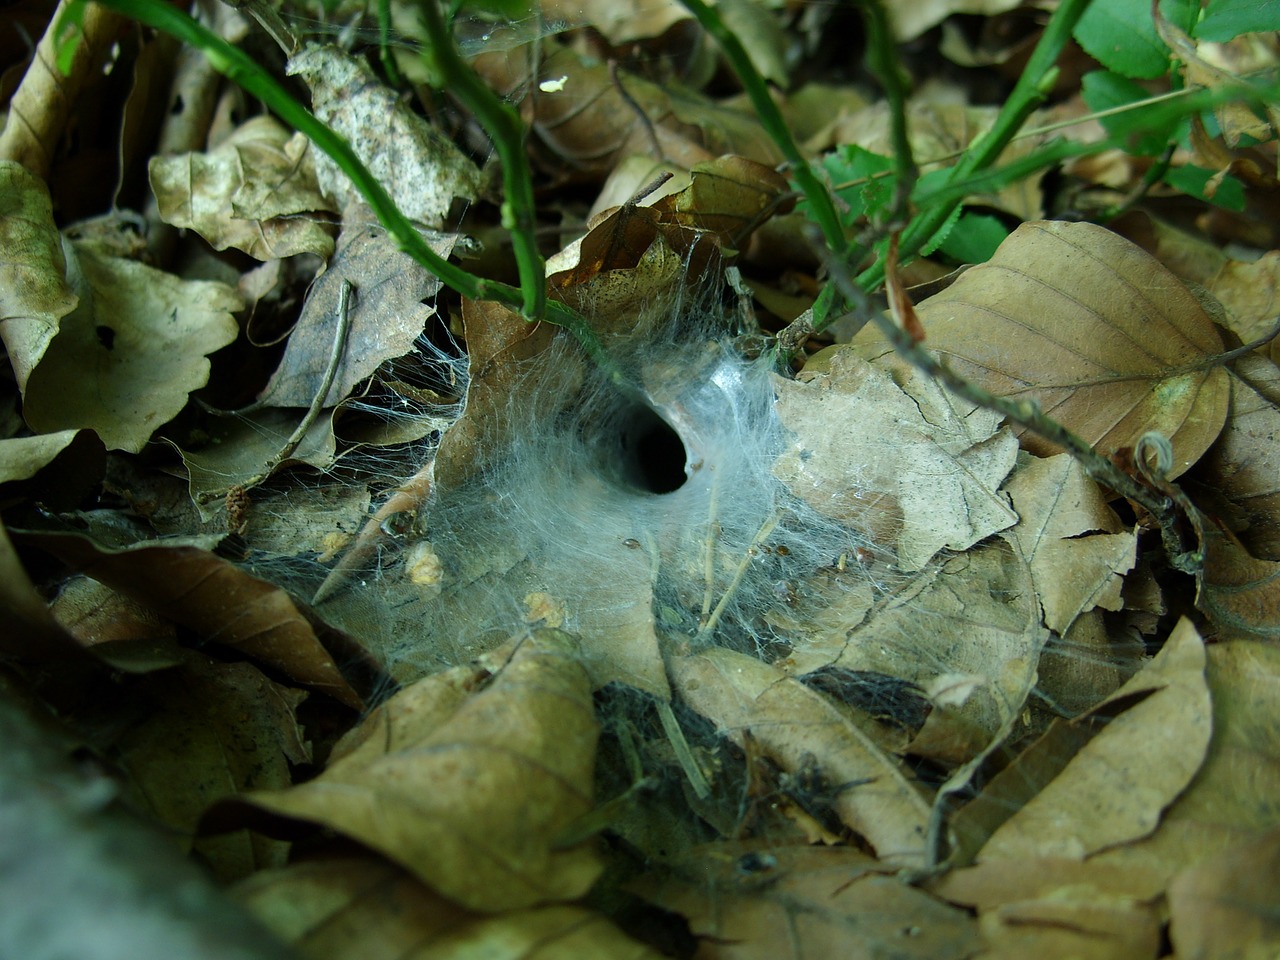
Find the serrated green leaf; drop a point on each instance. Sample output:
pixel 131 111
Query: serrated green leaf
pixel 868 191
pixel 1121 35
pixel 1104 90
pixel 944 231
pixel 1226 19
pixel 1194 181
pixel 975 238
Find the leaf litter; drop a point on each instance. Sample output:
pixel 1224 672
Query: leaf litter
pixel 966 684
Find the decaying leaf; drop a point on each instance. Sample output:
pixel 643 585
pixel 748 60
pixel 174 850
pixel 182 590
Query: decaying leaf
pixel 387 311
pixel 474 781
pixel 793 902
pixel 1244 464
pixel 1115 789
pixel 1239 593
pixel 215 599
pixel 368 909
pixel 212 729
pixel 1073 572
pixel 791 722
pixel 911 20
pixel 126 359
pixel 241 448
pixel 34 295
pixel 423 170
pixel 1226 906
pixel 905 461
pixel 256 191
pixel 1090 327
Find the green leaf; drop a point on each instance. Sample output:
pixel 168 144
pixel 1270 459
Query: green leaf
pixel 1121 35
pixel 1194 182
pixel 1150 134
pixel 70 32
pixel 975 238
pixel 1227 19
pixel 944 231
pixel 859 180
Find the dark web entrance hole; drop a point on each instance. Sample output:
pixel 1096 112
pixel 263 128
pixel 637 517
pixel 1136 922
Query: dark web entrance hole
pixel 653 455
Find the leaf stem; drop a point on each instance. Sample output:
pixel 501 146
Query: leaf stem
pixel 503 125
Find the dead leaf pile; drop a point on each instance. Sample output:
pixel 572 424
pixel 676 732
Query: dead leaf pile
pixel 1008 716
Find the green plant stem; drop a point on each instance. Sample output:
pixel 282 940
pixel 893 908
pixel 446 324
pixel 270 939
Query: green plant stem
pixel 1029 92
pixel 503 125
pixel 822 209
pixel 882 61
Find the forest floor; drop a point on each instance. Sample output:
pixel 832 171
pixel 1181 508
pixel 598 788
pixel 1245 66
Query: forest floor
pixel 870 548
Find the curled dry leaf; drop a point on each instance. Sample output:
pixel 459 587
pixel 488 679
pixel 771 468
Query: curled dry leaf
pixel 910 464
pixel 469 782
pixel 1079 320
pixel 214 599
pixel 368 909
pixel 794 902
pixel 34 295
pixel 909 20
pixel 790 722
pixel 1231 802
pixel 422 169
pixel 1075 544
pixel 1116 788
pixel 126 359
pixel 33 634
pixel 256 191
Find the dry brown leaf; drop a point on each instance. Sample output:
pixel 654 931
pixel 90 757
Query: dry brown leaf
pixel 1244 464
pixel 1090 327
pixel 1059 927
pixel 1249 291
pixel 213 598
pixel 422 169
pixel 1073 573
pixel 33 634
pixel 125 361
pixel 1227 906
pixel 791 723
pixel 387 311
pixel 210 730
pixel 474 799
pixel 34 295
pixel 932 486
pixel 1239 593
pixel 1231 801
pixel 256 191
pixel 792 902
pixel 367 909
pixel 579 113
pixel 1116 787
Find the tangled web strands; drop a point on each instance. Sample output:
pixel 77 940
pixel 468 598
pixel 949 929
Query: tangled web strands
pixel 634 515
